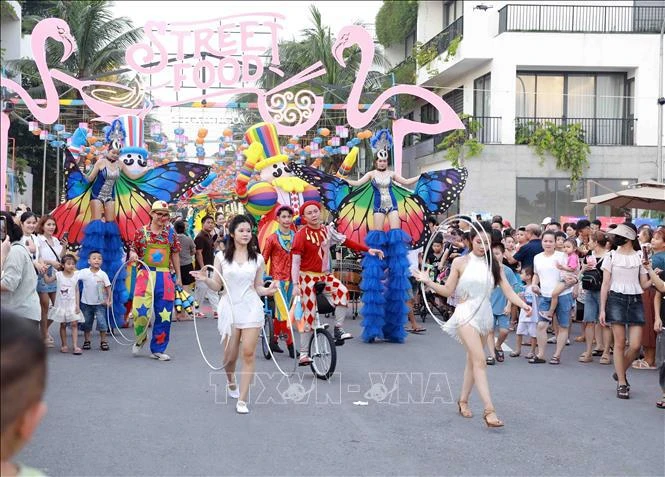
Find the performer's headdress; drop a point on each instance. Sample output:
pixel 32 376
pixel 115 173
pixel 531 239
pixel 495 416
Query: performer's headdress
pixel 126 135
pixel 382 140
pixel 307 204
pixel 266 135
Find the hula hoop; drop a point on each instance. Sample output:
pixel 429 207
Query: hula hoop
pixel 196 328
pixel 111 313
pixel 272 356
pixel 488 259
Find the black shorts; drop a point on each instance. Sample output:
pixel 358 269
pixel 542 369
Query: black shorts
pixel 187 279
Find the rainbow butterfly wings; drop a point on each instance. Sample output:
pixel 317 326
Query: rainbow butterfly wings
pixel 133 198
pixel 352 208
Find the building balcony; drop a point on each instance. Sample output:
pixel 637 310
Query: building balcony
pixel 442 41
pixel 580 19
pixel 597 131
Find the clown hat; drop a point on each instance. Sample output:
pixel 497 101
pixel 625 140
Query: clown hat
pixel 266 135
pixel 126 134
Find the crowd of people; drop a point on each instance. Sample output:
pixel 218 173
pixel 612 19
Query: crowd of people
pixel 609 281
pixel 543 278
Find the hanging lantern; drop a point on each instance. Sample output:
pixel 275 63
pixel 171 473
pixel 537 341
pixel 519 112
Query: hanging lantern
pixel 83 125
pixel 33 125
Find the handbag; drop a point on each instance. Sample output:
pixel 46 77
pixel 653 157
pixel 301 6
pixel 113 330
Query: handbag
pixel 592 280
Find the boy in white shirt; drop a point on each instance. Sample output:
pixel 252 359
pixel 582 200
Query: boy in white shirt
pixel 95 297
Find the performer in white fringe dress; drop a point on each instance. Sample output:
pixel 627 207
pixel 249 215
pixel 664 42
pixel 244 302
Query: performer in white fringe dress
pixel 472 280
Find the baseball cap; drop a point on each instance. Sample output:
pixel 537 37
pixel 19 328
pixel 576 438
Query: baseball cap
pixel 546 221
pixel 159 206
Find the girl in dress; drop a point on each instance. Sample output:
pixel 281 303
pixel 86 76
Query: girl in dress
pixel 67 307
pixel 240 308
pixel 472 281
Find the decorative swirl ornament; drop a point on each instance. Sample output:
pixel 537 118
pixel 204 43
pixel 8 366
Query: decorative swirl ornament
pixel 133 98
pixel 291 109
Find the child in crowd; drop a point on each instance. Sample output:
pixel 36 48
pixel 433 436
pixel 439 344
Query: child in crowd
pixel 95 297
pixel 22 382
pixel 500 309
pixel 67 307
pixel 559 241
pixel 570 268
pixel 526 325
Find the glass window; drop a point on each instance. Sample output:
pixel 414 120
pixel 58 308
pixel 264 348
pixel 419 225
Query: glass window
pixel 429 114
pixel 525 96
pixel 532 204
pixel 481 99
pixel 580 98
pixel 455 99
pixel 408 44
pixel 549 97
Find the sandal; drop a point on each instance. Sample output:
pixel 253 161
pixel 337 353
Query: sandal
pixel 495 423
pixel 77 351
pixel 641 364
pixel 584 358
pixel 580 339
pixel 490 361
pixel 597 352
pixel 530 356
pixel 513 354
pixel 537 360
pixel 604 359
pixel 555 360
pixel 104 346
pixel 64 349
pixel 86 345
pixel 416 330
pixel 463 409
pixel 499 355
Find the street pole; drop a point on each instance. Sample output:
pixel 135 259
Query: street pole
pixel 661 101
pixel 57 176
pixel 43 178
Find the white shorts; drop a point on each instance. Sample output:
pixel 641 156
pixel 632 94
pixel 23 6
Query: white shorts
pixel 526 329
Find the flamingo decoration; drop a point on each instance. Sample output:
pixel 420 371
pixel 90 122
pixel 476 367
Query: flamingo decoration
pixel 58 30
pixel 448 119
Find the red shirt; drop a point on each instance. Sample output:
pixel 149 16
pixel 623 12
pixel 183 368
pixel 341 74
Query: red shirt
pixel 280 259
pixel 313 246
pixel 166 236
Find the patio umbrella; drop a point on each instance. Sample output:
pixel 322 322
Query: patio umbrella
pixel 648 195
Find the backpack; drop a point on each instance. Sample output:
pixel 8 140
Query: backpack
pixel 592 279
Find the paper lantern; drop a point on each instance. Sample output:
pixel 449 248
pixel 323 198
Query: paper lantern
pixel 227 132
pixel 33 125
pixel 202 133
pixel 323 132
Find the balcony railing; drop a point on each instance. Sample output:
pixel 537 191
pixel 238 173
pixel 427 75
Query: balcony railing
pixel 581 18
pixel 489 132
pixel 442 41
pixel 597 131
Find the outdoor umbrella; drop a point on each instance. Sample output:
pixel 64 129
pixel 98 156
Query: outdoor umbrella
pixel 643 195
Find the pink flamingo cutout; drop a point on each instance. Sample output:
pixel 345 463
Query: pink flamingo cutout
pixel 448 119
pixel 58 30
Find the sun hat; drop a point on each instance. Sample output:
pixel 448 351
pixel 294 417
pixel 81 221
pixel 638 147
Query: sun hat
pixel 159 206
pixel 622 230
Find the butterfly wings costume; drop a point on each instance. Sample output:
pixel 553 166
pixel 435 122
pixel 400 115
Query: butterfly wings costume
pixel 384 301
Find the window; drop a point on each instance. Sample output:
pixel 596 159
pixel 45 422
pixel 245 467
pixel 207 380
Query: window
pixel 409 42
pixel 408 139
pixel 539 198
pixel 481 96
pixel 598 100
pixel 452 10
pixel 455 99
pixel 429 114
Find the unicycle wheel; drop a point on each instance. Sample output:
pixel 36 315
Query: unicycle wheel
pixel 266 336
pixel 323 353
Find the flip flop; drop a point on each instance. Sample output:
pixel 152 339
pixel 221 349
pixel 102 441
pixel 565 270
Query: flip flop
pixel 417 331
pixel 77 351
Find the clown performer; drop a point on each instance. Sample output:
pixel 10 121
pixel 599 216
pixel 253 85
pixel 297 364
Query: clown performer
pixel 277 252
pixel 388 322
pixel 158 246
pixel 311 264
pixel 277 185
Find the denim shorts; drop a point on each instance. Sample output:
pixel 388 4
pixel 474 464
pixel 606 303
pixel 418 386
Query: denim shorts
pixel 92 312
pixel 562 309
pixel 501 322
pixel 624 309
pixel 591 306
pixel 43 287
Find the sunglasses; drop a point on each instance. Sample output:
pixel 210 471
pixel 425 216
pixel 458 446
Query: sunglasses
pixel 162 214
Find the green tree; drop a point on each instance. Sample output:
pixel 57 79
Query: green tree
pixel 101 40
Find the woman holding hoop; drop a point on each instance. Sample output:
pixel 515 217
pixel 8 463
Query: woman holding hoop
pixel 240 309
pixel 472 279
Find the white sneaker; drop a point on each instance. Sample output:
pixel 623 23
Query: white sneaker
pixel 136 348
pixel 552 340
pixel 161 356
pixel 567 342
pixel 241 407
pixel 233 393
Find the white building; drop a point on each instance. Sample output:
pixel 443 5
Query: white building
pixel 521 63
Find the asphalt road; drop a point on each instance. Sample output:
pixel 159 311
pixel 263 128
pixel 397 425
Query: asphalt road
pixel 114 414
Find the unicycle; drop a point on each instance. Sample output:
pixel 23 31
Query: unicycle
pixel 322 349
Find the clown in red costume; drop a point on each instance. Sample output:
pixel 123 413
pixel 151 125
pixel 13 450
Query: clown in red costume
pixel 311 264
pixel 277 255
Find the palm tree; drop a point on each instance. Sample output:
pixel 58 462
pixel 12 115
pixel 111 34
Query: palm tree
pixel 101 41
